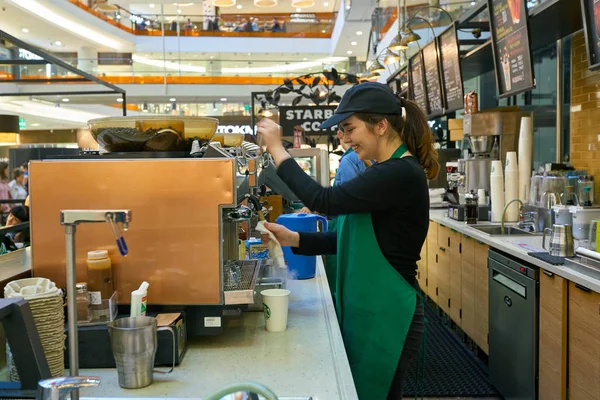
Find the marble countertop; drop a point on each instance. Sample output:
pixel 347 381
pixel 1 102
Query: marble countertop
pixel 308 359
pixel 519 246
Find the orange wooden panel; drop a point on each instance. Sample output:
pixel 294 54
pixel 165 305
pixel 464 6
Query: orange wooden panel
pixel 174 238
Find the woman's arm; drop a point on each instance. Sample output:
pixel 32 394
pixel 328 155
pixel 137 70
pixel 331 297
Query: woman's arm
pixel 316 243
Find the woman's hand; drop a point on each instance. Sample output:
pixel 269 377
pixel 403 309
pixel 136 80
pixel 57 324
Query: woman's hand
pixel 284 236
pixel 271 137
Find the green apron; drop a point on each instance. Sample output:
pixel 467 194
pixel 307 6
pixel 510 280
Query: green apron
pixel 375 305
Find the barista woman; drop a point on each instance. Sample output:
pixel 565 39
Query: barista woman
pixel 383 217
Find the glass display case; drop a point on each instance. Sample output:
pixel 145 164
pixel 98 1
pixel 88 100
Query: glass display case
pixel 315 162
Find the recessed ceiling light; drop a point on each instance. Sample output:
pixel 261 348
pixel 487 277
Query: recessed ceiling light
pixel 239 6
pixel 326 4
pixel 359 33
pixel 249 54
pixel 305 58
pixel 223 98
pixel 323 31
pixel 58 43
pixel 151 5
pixel 298 10
pixel 178 11
pixel 353 43
pixel 211 57
pixel 349 52
pixel 172 99
pixel 65 100
pixel 35 124
pixel 25 30
pixel 119 99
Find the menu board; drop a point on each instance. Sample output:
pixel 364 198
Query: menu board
pixel 591 24
pixel 433 84
pixel 416 82
pixel 510 40
pixel 452 77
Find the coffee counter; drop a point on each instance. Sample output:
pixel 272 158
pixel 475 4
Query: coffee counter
pixel 517 246
pixel 308 359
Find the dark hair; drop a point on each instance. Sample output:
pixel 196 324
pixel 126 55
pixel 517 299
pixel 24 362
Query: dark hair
pixel 21 212
pixel 25 165
pixel 3 167
pixel 414 132
pixel 17 172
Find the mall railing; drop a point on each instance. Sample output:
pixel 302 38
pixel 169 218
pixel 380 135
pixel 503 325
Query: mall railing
pixel 319 25
pixel 147 70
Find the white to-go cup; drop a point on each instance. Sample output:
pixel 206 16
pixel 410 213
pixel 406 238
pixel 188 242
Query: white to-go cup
pixel 275 307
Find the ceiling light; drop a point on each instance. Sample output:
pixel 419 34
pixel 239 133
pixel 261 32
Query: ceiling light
pixel 297 66
pixel 35 124
pixel 58 43
pixel 349 52
pixel 298 10
pixel 265 3
pixel 223 98
pixel 211 57
pixel 223 3
pixel 35 7
pixel 408 36
pixel 303 3
pixel 359 33
pixel 396 44
pixel 268 113
pixel 239 6
pixel 25 30
pixel 249 54
pixel 178 11
pixel 119 99
pixel 305 58
pixel 65 100
pixel 323 31
pixel 172 99
pixel 373 76
pixel 151 5
pixel 390 57
pixel 325 4
pixel 168 64
pixel 353 43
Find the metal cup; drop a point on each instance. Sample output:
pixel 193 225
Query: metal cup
pixel 561 242
pixel 134 344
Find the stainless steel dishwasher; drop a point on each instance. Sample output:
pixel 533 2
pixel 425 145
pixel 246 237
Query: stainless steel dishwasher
pixel 513 326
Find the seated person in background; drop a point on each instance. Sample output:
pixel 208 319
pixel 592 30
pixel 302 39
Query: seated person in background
pixel 18 214
pixel 17 185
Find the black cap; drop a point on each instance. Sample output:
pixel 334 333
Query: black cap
pixel 368 97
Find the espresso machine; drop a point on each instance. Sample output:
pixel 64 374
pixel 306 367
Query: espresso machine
pixel 185 243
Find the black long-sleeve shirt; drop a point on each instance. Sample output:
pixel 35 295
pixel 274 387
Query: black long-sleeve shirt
pixel 394 192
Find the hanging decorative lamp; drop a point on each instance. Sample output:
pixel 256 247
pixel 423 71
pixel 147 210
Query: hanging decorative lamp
pixel 265 3
pixel 390 57
pixel 373 76
pixel 376 66
pixel 223 3
pixel 303 3
pixel 397 44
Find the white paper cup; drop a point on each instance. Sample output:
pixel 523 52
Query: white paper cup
pixel 275 306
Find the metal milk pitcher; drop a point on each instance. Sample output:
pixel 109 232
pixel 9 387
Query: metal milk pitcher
pixel 561 242
pixel 134 344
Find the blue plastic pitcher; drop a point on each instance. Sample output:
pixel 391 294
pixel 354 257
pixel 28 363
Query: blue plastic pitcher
pixel 301 267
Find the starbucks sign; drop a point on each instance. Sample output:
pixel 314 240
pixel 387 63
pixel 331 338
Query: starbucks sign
pixel 308 117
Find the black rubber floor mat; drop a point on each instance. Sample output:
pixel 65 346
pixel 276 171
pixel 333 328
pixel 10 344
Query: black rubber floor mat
pixel 451 369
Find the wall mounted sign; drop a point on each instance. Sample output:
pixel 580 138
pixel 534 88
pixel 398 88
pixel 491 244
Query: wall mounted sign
pixel 510 42
pixel 451 71
pixel 591 27
pixel 308 117
pixel 417 88
pixel 433 84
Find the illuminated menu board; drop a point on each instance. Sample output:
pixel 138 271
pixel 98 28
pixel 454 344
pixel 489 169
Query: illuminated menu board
pixel 512 52
pixel 451 72
pixel 433 84
pixel 591 24
pixel 417 88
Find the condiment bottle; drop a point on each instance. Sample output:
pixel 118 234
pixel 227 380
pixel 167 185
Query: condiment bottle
pixel 99 272
pixel 82 299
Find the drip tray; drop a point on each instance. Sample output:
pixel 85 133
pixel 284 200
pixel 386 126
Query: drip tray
pixel 240 278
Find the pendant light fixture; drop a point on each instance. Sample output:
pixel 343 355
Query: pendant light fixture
pixel 373 76
pixel 303 3
pixel 223 3
pixel 390 57
pixel 376 66
pixel 265 3
pixel 396 44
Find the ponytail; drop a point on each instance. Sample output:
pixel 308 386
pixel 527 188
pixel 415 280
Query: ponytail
pixel 413 130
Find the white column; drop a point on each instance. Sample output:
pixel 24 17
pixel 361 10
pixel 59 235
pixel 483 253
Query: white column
pixel 87 59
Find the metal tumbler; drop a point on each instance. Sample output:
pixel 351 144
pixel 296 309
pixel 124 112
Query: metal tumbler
pixel 134 344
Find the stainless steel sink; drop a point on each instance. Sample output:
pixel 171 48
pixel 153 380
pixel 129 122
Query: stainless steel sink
pixel 496 230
